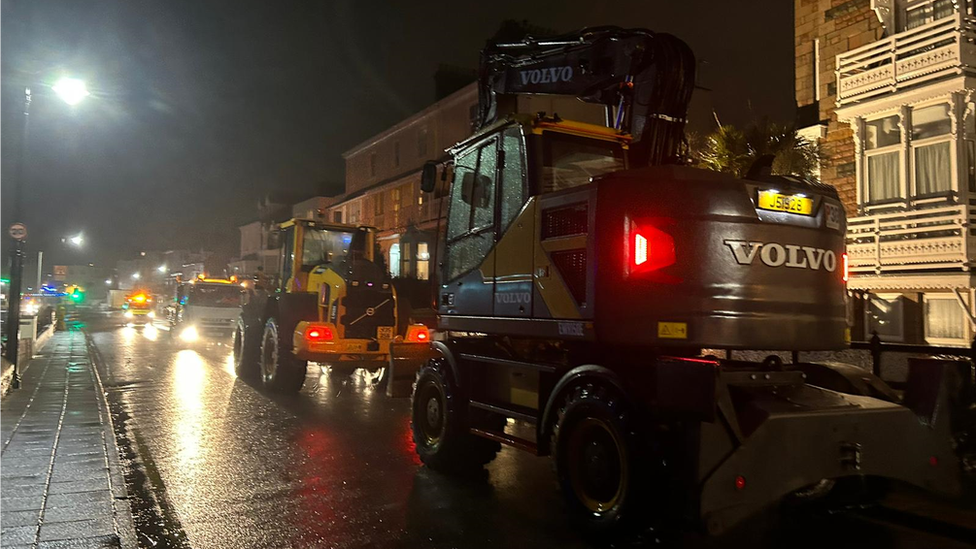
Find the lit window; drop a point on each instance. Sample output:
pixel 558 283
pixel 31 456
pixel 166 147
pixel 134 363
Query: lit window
pixel 423 261
pixel 395 260
pixel 945 320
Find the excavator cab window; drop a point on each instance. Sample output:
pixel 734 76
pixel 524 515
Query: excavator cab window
pixel 471 219
pixel 512 184
pixel 570 161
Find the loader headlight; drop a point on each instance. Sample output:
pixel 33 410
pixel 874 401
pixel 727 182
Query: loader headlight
pixel 151 314
pixel 189 334
pixel 128 314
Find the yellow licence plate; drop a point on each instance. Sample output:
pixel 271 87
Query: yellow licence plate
pixel 384 332
pixel 769 200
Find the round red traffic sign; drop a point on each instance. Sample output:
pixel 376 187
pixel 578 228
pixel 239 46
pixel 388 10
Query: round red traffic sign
pixel 18 231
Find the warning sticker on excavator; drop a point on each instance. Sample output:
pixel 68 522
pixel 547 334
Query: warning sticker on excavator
pixel 672 330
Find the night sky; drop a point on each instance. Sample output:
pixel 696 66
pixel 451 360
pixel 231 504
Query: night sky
pixel 200 108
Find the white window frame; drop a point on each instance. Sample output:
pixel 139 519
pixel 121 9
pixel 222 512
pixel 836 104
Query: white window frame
pixel 964 341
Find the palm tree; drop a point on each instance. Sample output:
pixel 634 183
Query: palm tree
pixel 731 150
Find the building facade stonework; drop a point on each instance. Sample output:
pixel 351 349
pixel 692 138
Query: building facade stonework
pixel 893 83
pixel 824 29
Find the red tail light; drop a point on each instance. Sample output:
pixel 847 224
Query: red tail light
pixel 319 333
pixel 847 268
pixel 649 248
pixel 418 333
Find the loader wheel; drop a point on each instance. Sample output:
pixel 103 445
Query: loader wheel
pixel 280 370
pixel 439 424
pixel 594 456
pixel 247 351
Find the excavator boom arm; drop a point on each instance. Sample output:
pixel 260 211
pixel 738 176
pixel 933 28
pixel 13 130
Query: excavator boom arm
pixel 645 79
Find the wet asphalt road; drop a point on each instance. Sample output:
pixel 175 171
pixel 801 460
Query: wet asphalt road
pixel 334 466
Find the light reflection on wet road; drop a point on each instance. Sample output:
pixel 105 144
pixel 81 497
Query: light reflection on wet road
pixel 334 465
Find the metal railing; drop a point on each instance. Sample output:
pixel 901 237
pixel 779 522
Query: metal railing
pixel 933 50
pixel 914 240
pixel 878 348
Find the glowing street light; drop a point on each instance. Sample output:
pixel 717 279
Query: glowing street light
pixel 108 281
pixel 77 240
pixel 162 268
pixel 71 90
pixel 135 276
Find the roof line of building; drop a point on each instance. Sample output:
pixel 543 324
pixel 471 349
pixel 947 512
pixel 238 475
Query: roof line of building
pixel 387 181
pixel 455 97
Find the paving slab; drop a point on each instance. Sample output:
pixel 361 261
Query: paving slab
pixel 57 486
pixel 76 529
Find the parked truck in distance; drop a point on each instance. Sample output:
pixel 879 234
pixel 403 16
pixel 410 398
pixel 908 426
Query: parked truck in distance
pixel 205 307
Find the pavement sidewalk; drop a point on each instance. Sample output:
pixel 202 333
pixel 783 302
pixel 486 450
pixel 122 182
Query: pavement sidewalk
pixel 61 484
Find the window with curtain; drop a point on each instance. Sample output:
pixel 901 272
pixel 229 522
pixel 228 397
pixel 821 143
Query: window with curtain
pixel 883 181
pixel 933 163
pixel 423 261
pixel 945 321
pixel 932 169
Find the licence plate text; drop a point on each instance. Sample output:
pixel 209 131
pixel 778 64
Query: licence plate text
pixel 769 200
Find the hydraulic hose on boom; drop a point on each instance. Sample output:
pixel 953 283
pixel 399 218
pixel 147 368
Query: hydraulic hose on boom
pixel 644 79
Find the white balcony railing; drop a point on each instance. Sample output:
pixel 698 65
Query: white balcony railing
pixel 912 241
pixel 933 50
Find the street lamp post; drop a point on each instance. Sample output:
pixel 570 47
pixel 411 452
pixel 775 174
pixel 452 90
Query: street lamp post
pixel 17 255
pixel 72 91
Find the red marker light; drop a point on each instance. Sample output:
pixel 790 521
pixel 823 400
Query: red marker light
pixel 417 333
pixel 934 461
pixel 649 248
pixel 319 333
pixel 740 483
pixel 640 249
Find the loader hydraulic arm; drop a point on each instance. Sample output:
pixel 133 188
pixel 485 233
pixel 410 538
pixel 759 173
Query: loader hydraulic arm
pixel 644 79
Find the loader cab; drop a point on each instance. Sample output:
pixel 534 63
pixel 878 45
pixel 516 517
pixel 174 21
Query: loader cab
pixel 489 262
pixel 305 245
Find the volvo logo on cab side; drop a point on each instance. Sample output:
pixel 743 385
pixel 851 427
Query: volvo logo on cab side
pixel 774 254
pixel 547 76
